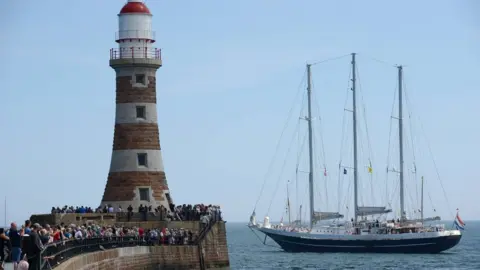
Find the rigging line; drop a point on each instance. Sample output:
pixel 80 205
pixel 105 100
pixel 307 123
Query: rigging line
pixel 342 142
pixel 299 133
pixel 280 139
pixel 303 218
pixel 389 141
pixel 378 60
pixel 409 195
pixel 296 190
pixel 430 198
pixel 317 163
pixel 323 155
pixel 299 152
pixel 315 101
pixel 330 59
pixel 434 162
pixel 396 181
pixel 395 191
pixel 361 153
pixel 344 120
pixel 305 208
pixel 343 138
pixel 410 108
pixel 346 202
pixel 370 152
pixel 302 148
pixel 258 237
pixel 349 152
pixel 283 167
pixel 339 188
pixel 412 176
pixel 412 141
pixel 323 198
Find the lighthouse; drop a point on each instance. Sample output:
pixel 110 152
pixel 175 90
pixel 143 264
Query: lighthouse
pixel 136 175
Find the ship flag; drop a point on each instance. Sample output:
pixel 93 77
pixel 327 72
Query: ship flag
pixel 459 224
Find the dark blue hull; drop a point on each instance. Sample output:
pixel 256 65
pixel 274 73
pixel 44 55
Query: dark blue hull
pixel 419 245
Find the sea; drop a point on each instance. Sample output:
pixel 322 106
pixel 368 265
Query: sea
pixel 246 251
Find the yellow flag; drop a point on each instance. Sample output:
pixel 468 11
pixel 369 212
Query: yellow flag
pixel 370 170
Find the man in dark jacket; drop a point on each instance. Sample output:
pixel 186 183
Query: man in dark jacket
pixel 15 241
pixel 34 248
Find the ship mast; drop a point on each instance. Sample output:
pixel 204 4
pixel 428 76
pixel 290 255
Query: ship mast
pixel 400 138
pixel 310 144
pixel 421 204
pixel 288 206
pixel 355 161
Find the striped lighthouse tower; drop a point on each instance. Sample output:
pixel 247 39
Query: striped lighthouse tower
pixel 136 172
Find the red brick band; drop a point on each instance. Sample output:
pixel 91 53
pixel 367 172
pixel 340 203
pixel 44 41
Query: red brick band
pixel 121 185
pixel 136 136
pixel 126 93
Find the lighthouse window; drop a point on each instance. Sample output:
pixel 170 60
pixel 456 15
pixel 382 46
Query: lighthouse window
pixel 142 159
pixel 144 194
pixel 141 112
pixel 140 78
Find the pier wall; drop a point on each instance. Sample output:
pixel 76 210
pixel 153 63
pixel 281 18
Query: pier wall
pixel 132 258
pixel 212 250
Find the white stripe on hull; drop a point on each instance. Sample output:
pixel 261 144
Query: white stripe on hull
pixel 340 246
pixel 126 113
pixel 126 161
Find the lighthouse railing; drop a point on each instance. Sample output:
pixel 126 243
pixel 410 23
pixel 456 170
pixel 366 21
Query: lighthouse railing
pixel 135 52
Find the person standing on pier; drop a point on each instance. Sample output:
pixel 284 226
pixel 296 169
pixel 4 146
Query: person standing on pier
pixel 15 241
pixel 34 248
pixel 3 239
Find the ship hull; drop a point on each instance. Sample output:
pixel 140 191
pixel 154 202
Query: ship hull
pixel 295 242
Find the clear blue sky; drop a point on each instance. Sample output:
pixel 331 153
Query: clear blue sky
pixel 231 71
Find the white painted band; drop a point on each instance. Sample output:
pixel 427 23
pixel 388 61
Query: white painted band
pixel 126 113
pixel 127 161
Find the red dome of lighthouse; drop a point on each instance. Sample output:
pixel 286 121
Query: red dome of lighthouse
pixel 135 7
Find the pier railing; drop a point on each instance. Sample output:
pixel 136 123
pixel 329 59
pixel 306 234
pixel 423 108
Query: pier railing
pixel 203 234
pixel 56 253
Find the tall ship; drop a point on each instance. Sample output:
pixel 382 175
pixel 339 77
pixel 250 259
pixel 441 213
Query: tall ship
pixel 371 229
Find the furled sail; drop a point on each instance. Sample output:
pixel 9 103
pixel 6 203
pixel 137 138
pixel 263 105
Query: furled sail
pixel 326 215
pixel 425 219
pixel 372 210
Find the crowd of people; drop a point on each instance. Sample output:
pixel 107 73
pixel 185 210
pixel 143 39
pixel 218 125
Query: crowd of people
pixel 172 213
pixel 31 239
pixel 189 212
pixel 28 241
